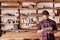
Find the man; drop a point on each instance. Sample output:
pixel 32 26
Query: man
pixel 46 22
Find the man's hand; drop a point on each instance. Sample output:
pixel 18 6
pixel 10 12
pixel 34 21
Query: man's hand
pixel 39 31
pixel 49 31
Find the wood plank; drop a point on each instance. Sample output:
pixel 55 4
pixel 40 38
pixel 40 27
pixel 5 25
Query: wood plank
pixel 46 1
pixel 12 4
pixel 57 0
pixel 18 0
pixel 25 35
pixel 26 0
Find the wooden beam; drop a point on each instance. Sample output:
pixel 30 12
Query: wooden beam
pixel 57 0
pixel 26 0
pixel 18 0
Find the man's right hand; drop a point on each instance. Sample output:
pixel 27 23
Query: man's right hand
pixel 39 31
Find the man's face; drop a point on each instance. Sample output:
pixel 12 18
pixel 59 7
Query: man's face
pixel 45 16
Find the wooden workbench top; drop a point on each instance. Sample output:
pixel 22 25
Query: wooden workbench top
pixel 26 35
pixel 22 35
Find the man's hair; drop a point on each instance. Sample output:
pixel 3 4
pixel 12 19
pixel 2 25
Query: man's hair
pixel 45 12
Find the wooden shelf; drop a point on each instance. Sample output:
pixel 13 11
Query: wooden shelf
pixel 38 8
pixel 9 6
pixel 57 1
pixel 9 23
pixel 46 8
pixel 26 0
pixel 17 7
pixel 32 14
pixel 57 8
pixel 27 8
pixel 6 16
pixel 46 1
pixel 27 23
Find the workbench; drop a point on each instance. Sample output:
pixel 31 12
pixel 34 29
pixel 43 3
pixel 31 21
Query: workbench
pixel 24 35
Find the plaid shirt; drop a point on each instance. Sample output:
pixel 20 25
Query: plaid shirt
pixel 47 23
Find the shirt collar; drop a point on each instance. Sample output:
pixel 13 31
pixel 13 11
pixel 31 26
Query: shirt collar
pixel 46 20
